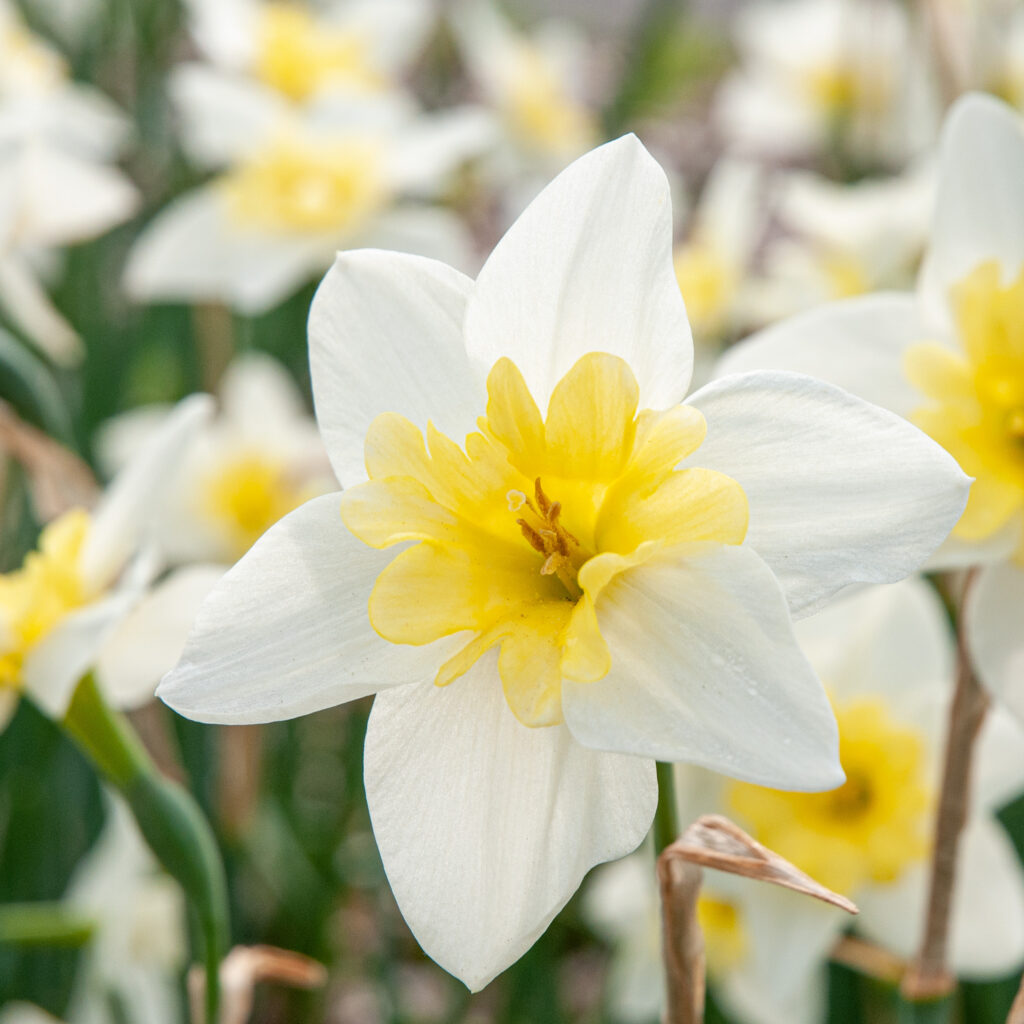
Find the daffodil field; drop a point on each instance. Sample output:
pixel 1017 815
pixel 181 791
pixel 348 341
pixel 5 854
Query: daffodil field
pixel 511 512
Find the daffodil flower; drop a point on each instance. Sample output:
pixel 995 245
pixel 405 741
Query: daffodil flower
pixel 950 358
pixel 886 656
pixel 58 139
pixel 812 69
pixel 59 609
pixel 139 946
pixel 360 172
pixel 547 607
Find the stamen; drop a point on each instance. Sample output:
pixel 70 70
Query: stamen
pixel 548 536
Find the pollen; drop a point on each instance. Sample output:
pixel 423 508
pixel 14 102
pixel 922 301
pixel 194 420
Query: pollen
pixel 874 827
pixel 973 398
pixel 516 535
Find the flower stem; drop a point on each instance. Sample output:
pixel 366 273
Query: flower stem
pixel 168 818
pixel 666 823
pixel 928 977
pixel 44 924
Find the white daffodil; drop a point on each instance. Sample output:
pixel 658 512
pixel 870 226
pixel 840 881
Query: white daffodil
pixel 886 656
pixel 713 263
pixel 57 185
pixel 65 602
pixel 300 52
pixel 360 172
pixel 139 947
pixel 815 70
pixel 25 1013
pixel 534 81
pixel 839 241
pixel 246 468
pixel 574 595
pixel 951 359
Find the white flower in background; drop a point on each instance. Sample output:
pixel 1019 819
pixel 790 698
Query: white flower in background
pixel 25 1013
pixel 815 70
pixel 357 172
pixel 583 592
pixel 259 459
pixel 886 656
pixel 534 81
pixel 139 946
pixel 839 240
pixel 90 569
pixel 713 263
pixel 951 359
pixel 300 52
pixel 58 140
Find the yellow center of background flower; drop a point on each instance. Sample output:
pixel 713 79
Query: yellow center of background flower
pixel 296 186
pixel 540 112
pixel 870 829
pixel 245 496
pixel 976 398
pixel 299 55
pixel 519 532
pixel 844 87
pixel 36 597
pixel 725 938
pixel 708 282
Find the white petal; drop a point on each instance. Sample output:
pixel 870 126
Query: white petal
pixel 987 926
pixel 258 395
pixel 424 156
pixel 857 344
pixel 891 641
pixel 26 302
pixel 429 231
pixel 706 670
pixel 997 774
pixel 149 641
pixel 128 508
pixel 194 252
pixel 995 638
pixel 487 827
pixel 286 631
pixel 588 267
pixel 385 335
pixel 56 664
pixel 777 919
pixel 979 214
pixel 224 116
pixel 840 491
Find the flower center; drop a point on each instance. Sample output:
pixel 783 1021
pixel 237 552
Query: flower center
pixel 300 55
pixel 517 534
pixel 295 186
pixel 870 829
pixel 540 524
pixel 975 397
pixel 245 496
pixel 36 597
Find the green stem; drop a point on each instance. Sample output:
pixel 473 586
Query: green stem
pixel 666 823
pixel 44 924
pixel 936 1011
pixel 168 818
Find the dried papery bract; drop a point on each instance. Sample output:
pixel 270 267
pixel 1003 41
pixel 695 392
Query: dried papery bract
pixel 243 969
pixel 712 842
pixel 58 478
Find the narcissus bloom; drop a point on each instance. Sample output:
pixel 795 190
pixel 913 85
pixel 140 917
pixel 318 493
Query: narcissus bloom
pixel 951 360
pixel 576 591
pixel 90 569
pixel 886 656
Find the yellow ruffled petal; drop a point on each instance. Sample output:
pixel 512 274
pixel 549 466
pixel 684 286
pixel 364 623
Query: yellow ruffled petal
pixel 939 372
pixel 590 425
pixel 398 508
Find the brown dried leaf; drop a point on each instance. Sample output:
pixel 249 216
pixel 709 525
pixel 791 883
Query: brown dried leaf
pixel 713 841
pixel 243 969
pixel 58 478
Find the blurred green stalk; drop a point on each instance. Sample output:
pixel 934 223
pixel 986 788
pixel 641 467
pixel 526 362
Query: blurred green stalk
pixel 44 924
pixel 167 815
